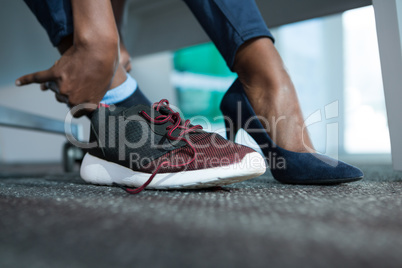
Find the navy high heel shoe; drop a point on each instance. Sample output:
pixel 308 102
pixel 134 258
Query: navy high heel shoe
pixel 286 166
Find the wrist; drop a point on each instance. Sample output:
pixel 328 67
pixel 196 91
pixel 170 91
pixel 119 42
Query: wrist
pixel 97 38
pixel 103 52
pixel 103 47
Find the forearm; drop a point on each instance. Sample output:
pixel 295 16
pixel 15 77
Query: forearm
pixel 95 29
pixel 94 22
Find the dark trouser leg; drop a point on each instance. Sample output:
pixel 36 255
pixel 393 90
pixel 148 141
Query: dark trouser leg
pixel 229 23
pixel 234 26
pixel 55 16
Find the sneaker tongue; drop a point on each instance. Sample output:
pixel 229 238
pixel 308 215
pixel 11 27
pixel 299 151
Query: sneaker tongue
pixel 158 128
pixel 135 111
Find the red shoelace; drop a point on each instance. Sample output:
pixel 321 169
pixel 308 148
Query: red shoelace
pixel 173 117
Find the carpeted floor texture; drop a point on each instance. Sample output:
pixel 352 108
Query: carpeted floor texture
pixel 52 219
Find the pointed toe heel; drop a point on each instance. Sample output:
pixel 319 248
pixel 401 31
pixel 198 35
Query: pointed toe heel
pixel 286 166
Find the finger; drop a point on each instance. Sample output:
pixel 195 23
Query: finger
pixel 61 98
pixel 43 86
pixel 81 113
pixel 50 85
pixel 38 77
pixel 53 86
pixel 86 109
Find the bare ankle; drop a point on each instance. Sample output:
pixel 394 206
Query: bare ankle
pixel 259 66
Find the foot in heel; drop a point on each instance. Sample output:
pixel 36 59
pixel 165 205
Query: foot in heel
pixel 295 167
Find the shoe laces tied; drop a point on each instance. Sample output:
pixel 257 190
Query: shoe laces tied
pixel 177 123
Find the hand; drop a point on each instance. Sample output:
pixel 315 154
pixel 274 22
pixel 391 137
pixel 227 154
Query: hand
pixel 82 75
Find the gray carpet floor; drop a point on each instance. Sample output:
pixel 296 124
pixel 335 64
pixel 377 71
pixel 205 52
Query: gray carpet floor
pixel 50 219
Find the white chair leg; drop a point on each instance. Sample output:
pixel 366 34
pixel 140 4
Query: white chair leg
pixel 388 15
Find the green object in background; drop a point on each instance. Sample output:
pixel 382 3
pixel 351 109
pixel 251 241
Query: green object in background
pixel 201 79
pixel 201 59
pixel 198 102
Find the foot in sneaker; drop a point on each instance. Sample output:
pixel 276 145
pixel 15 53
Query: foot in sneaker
pixel 152 148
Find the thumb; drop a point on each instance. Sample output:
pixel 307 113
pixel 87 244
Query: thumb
pixel 38 77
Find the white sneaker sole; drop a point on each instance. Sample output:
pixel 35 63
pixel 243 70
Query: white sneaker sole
pixel 98 171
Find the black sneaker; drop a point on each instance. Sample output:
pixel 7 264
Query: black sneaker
pixel 151 147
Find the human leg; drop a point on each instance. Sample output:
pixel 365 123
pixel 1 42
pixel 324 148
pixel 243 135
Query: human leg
pixel 240 34
pixel 264 89
pixel 272 94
